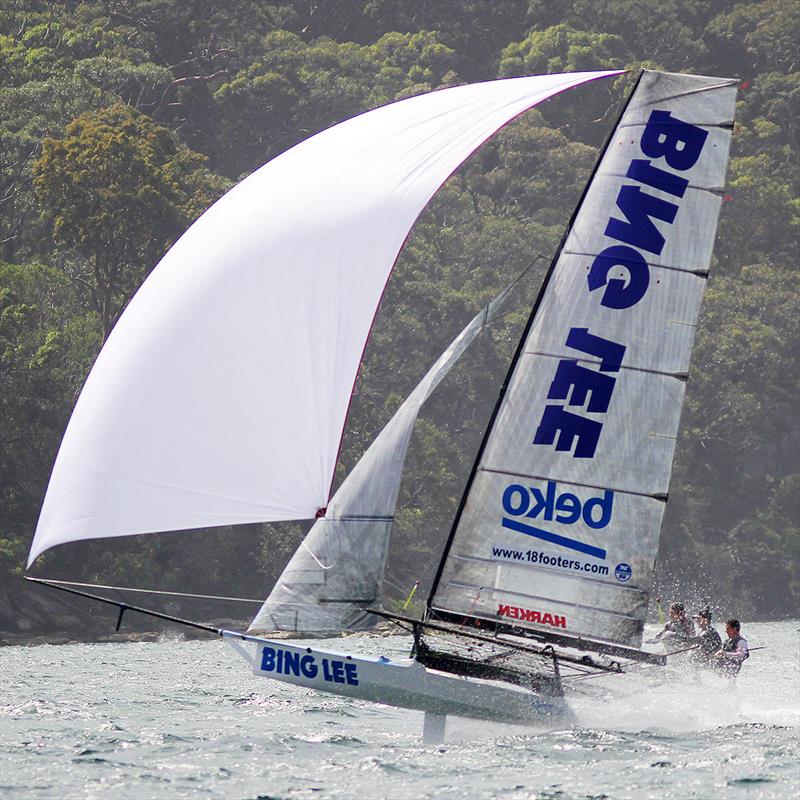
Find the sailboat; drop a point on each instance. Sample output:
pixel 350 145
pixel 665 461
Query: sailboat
pixel 222 394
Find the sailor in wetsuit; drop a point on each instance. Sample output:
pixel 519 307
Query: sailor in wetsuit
pixel 678 631
pixel 708 641
pixel 734 652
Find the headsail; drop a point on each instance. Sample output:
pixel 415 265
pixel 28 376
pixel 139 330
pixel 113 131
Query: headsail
pixel 337 571
pixel 559 527
pixel 220 396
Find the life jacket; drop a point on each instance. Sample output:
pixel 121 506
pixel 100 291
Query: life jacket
pixel 709 641
pixel 730 645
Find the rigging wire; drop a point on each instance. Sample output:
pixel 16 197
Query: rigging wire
pixel 157 591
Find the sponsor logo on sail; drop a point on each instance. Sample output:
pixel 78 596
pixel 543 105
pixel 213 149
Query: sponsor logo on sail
pixel 674 144
pixel 623 572
pixel 531 615
pixel 522 503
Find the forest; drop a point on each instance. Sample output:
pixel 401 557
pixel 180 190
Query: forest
pixel 122 120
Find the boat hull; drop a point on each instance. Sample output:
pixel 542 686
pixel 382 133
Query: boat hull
pixel 404 683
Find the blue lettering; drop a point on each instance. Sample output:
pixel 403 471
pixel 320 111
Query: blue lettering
pixel 643 171
pixel 624 275
pixel 582 381
pixel 605 504
pixel 268 659
pixel 638 229
pixel 508 496
pixel 570 427
pixel 291 663
pixel 351 674
pixel 308 667
pixel 619 293
pixel 544 503
pixel 610 353
pixel 337 669
pixel 565 507
pixel 571 506
pixel 676 141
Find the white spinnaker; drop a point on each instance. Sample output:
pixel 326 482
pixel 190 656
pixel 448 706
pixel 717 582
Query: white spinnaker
pixel 565 539
pixel 337 571
pixel 221 394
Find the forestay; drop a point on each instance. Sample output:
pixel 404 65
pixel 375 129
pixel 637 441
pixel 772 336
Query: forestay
pixel 559 529
pixel 337 571
pixel 221 394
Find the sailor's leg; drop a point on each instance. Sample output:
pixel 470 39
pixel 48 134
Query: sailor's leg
pixel 433 728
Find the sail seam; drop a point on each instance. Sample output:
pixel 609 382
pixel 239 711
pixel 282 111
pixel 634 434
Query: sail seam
pixel 681 376
pixel 717 190
pixel 527 596
pixel 722 125
pixel 700 272
pixel 357 600
pixel 655 496
pixel 699 90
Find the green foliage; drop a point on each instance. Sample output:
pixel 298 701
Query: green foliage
pixel 667 33
pixel 47 344
pixel 118 189
pixel 769 32
pixel 295 89
pixel 118 117
pixel 562 48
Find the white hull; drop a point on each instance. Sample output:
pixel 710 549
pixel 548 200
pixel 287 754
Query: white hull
pixel 398 682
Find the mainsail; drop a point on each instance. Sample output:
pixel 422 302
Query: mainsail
pixel 558 530
pixel 337 571
pixel 220 396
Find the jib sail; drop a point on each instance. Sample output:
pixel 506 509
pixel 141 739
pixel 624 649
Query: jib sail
pixel 336 573
pixel 559 526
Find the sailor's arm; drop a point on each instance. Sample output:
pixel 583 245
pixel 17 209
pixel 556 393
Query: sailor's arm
pixel 738 655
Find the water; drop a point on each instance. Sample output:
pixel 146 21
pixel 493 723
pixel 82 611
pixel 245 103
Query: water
pixel 181 719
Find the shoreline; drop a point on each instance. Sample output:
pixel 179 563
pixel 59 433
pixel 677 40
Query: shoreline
pixel 9 639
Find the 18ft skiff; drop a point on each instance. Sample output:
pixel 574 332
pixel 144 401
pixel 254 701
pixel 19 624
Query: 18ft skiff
pixel 222 394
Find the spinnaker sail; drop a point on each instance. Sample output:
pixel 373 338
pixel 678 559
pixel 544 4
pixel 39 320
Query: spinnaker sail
pixel 336 573
pixel 559 527
pixel 221 395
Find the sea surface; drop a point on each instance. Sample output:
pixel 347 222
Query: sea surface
pixel 187 719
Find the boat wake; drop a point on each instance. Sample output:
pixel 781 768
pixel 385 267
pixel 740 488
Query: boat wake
pixel 690 700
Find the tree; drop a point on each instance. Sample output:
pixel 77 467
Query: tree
pixel 117 190
pixel 47 343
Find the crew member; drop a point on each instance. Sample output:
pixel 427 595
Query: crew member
pixel 679 630
pixel 708 641
pixel 734 652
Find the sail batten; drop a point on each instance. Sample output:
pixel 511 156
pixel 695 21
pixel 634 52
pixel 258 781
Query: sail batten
pixel 574 471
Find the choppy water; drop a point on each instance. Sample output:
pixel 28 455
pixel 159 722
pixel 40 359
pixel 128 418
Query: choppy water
pixel 180 719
